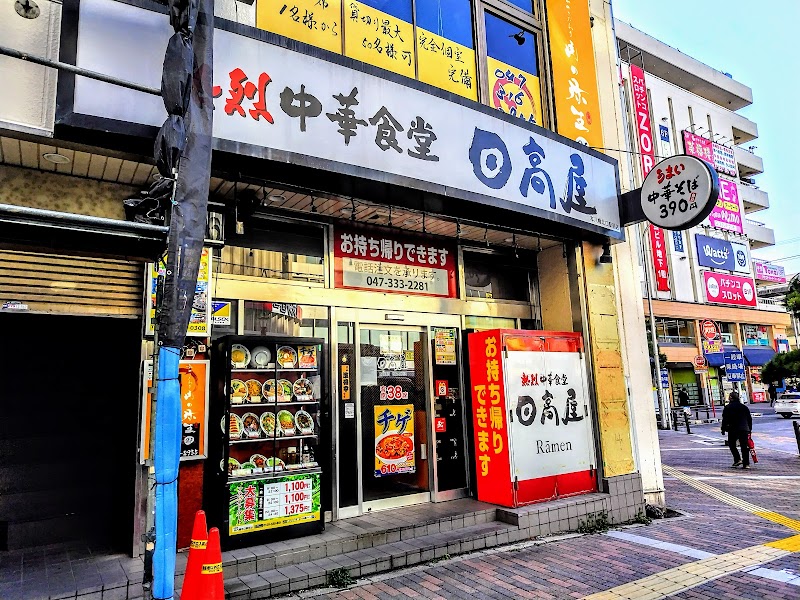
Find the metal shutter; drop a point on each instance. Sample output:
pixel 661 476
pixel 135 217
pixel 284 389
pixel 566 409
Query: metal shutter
pixel 55 283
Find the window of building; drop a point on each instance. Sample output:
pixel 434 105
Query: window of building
pixel 512 63
pixel 282 318
pixel 274 250
pixel 675 331
pixel 445 46
pixel 523 4
pixel 496 277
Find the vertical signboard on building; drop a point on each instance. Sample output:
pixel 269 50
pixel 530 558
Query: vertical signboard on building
pixel 574 72
pixel 696 145
pixel 660 265
pixel 734 366
pixel 727 213
pixel 641 109
pixel 200 319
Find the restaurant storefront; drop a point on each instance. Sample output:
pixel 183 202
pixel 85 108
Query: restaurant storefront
pixel 386 215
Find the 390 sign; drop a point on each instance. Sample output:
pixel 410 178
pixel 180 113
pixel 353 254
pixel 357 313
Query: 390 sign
pixel 679 192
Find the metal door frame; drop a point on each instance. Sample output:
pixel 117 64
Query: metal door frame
pixel 401 321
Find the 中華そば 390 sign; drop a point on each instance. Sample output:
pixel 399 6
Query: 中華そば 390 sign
pixel 679 192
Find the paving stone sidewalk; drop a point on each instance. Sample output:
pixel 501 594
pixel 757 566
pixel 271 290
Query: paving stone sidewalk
pixel 581 566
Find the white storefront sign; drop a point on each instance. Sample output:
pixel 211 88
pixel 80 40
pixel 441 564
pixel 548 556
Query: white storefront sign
pixel 551 426
pixel 284 105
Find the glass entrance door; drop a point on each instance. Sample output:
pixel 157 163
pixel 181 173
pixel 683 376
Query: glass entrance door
pixel 394 405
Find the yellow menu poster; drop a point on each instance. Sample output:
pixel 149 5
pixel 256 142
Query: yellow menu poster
pixel 315 22
pixel 394 435
pixel 446 64
pixel 378 38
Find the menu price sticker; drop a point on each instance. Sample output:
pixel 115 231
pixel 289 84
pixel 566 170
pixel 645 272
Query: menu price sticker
pixel 267 504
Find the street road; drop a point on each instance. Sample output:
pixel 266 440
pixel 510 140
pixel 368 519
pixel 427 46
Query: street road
pixel 739 537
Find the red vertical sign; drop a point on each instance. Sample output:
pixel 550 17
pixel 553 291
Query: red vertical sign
pixel 641 110
pixel 660 266
pixel 493 465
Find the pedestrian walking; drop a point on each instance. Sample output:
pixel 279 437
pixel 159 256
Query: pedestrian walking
pixel 737 422
pixel 773 393
pixel 683 397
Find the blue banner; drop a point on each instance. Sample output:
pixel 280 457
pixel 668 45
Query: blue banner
pixel 734 366
pixel 715 253
pixel 665 379
pixel 664 133
pixel 677 240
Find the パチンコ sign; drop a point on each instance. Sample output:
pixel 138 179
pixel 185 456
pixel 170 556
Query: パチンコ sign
pixel 679 192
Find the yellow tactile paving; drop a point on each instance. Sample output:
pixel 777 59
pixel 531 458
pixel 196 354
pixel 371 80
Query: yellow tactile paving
pixel 733 500
pixel 682 578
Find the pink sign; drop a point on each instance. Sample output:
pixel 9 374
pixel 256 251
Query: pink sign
pixel 642 110
pixel 659 247
pixel 768 272
pixel 727 213
pixel 695 145
pixel 730 289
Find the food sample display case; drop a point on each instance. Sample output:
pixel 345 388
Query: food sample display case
pixel 270 414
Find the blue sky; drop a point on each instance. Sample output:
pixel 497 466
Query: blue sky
pixel 757 43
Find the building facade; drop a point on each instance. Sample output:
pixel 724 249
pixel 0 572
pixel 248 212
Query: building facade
pixel 387 178
pixel 676 104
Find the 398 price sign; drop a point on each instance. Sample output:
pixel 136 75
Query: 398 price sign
pixel 393 392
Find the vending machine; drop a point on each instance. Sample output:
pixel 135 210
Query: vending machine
pixel 532 416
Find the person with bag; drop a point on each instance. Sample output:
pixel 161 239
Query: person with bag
pixel 737 422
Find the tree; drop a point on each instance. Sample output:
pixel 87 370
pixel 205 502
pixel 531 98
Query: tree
pixel 793 297
pixel 784 365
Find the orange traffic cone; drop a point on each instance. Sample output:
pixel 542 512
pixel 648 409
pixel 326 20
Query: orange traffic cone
pixel 197 551
pixel 212 585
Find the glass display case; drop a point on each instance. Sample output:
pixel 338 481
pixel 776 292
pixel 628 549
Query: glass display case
pixel 270 414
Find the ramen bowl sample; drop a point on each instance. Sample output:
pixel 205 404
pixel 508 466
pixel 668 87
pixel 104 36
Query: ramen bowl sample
pixel 254 390
pixel 303 390
pixel 268 390
pixel 394 448
pixel 233 465
pixel 261 357
pixel 285 390
pixel 268 423
pixel 238 391
pixel 251 425
pixel 286 422
pixel 308 357
pixel 240 356
pixel 287 357
pixel 304 422
pixel 276 463
pixel 259 460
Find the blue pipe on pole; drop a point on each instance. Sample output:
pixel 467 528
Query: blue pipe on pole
pixel 166 459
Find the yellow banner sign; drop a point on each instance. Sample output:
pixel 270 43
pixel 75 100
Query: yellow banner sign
pixel 394 436
pixel 577 100
pixel 379 39
pixel 446 64
pixel 315 22
pixel 514 91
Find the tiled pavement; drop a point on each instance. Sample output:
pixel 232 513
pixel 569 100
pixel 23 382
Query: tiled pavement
pixel 581 566
pixel 573 567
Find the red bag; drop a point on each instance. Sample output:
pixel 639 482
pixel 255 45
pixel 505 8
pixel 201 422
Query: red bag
pixel 752 446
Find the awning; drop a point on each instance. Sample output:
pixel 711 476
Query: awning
pixel 717 359
pixel 756 357
pixel 23 227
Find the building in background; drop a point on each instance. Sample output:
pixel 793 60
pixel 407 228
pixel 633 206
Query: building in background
pixel 676 104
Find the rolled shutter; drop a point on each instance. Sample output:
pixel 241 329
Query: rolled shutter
pixel 55 283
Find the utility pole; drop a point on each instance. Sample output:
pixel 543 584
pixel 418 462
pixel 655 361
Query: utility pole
pixel 663 405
